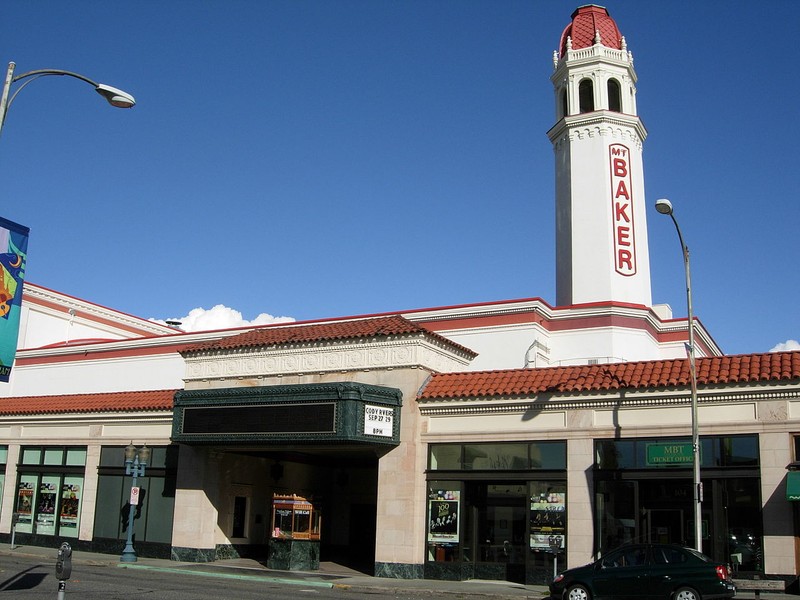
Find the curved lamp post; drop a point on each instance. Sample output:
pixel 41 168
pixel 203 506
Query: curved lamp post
pixel 664 207
pixel 114 96
pixel 136 460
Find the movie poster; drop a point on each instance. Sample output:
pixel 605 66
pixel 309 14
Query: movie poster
pixel 443 506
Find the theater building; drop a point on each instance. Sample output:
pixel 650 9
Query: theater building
pixel 495 440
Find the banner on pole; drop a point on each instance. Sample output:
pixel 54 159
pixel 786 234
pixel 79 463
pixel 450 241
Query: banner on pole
pixel 13 256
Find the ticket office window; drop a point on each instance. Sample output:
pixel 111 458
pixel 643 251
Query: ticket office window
pixel 50 490
pixel 295 518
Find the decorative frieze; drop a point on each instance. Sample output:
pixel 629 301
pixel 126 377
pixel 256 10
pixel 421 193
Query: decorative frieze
pixel 355 356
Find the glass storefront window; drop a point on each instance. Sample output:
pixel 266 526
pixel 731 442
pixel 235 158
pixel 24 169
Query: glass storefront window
pixel 154 515
pixel 31 456
pixel 548 516
pixel 507 456
pixel 496 457
pixel 46 504
pixel 53 456
pixel 444 511
pixel 715 451
pixel 446 457
pixel 76 457
pixel 69 511
pixel 49 490
pixel 26 498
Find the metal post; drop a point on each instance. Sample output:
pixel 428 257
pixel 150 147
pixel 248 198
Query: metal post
pixel 664 207
pixel 129 553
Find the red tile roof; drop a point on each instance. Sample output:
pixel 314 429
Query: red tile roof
pixel 586 22
pixel 746 368
pixel 157 400
pixel 275 335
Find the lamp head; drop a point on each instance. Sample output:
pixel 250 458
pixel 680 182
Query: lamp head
pixel 664 206
pixel 130 453
pixel 114 96
pixel 144 455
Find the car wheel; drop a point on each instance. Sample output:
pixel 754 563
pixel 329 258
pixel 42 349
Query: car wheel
pixel 686 593
pixel 577 592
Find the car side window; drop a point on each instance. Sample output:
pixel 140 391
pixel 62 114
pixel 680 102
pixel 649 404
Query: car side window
pixel 663 556
pixel 633 557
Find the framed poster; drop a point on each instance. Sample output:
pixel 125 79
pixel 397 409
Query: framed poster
pixel 548 520
pixel 443 509
pixel 69 512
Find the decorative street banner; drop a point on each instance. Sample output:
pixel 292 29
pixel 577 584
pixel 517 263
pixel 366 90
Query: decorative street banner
pixel 13 255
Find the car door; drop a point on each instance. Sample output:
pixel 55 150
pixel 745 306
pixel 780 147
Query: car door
pixel 623 574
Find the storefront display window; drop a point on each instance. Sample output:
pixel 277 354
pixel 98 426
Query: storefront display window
pixel 26 497
pixel 548 517
pixel 154 516
pixel 69 514
pixel 48 503
pixel 498 457
pixel 493 511
pixel 715 451
pixel 444 511
pixel 643 492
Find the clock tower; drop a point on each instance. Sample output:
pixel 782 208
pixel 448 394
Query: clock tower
pixel 601 224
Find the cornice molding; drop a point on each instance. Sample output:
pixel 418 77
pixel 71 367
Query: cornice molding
pixel 492 406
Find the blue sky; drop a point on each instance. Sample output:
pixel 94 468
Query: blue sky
pixel 321 158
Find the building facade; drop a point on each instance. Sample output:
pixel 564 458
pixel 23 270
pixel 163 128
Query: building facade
pixel 498 440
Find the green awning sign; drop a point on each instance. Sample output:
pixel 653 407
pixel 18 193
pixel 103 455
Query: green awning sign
pixel 793 485
pixel 667 454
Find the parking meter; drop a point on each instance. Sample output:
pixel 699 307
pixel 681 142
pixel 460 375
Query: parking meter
pixel 64 562
pixel 555 547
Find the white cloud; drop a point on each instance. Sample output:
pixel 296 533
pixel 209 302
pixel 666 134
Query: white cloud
pixel 220 317
pixel 787 345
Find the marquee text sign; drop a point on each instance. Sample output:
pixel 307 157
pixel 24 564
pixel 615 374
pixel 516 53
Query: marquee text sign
pixel 622 210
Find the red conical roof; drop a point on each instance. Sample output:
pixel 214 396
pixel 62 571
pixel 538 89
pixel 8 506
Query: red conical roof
pixel 586 22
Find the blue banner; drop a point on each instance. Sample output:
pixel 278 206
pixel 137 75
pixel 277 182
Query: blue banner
pixel 13 256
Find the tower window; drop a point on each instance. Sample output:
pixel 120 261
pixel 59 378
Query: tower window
pixel 564 105
pixel 586 95
pixel 614 96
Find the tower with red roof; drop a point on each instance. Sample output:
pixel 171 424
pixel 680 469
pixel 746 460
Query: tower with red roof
pixel 601 225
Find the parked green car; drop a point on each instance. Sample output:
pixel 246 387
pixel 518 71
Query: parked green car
pixel 646 572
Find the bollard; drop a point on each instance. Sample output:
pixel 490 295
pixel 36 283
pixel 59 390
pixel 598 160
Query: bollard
pixel 63 569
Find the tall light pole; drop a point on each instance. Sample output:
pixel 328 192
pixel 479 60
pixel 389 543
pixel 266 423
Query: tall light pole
pixel 114 96
pixel 136 460
pixel 664 206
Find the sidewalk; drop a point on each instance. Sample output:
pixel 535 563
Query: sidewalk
pixel 330 575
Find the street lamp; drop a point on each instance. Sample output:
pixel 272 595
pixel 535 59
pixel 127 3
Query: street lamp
pixel 664 206
pixel 114 96
pixel 136 460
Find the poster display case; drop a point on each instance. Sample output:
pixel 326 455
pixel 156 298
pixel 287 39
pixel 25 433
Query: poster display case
pixel 548 520
pixel 295 538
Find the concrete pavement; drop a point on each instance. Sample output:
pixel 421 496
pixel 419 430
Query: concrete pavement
pixel 329 575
